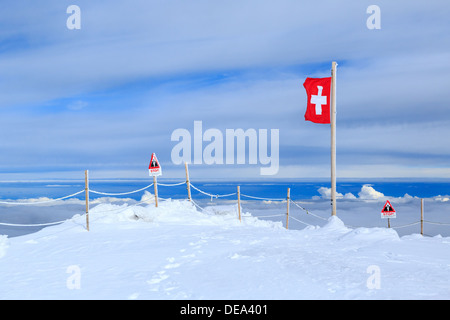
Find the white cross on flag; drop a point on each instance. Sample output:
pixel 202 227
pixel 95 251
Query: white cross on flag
pixel 318 107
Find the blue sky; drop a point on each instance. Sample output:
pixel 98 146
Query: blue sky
pixel 106 96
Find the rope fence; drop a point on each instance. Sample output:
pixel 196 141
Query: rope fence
pixel 438 223
pixel 216 196
pixel 31 225
pixel 121 193
pixel 299 217
pixel 260 198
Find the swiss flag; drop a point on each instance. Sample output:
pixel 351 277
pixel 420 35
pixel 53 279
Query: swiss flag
pixel 318 92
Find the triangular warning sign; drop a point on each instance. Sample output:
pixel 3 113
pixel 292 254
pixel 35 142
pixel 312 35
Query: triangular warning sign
pixel 154 164
pixel 388 207
pixel 388 211
pixel 154 169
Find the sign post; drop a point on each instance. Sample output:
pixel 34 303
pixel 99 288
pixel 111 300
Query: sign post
pixel 188 184
pixel 333 137
pixel 154 169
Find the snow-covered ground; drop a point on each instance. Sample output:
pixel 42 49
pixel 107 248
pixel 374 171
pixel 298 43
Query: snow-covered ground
pixel 177 251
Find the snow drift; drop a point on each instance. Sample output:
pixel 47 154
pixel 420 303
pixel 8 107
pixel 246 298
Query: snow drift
pixel 177 251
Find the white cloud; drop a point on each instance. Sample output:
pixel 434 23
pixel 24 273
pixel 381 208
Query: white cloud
pixel 325 193
pixel 369 193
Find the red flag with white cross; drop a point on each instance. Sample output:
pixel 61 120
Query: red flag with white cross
pixel 318 92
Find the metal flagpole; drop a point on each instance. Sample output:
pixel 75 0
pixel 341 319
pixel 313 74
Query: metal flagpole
pixel 333 137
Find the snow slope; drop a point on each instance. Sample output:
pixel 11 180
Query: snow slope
pixel 176 251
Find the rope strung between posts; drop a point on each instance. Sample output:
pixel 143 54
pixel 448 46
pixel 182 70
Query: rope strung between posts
pixel 196 204
pixel 268 216
pixel 396 227
pixel 300 221
pixel 31 202
pixel 439 223
pixel 271 216
pixel 120 193
pixel 31 225
pixel 77 193
pixel 123 208
pixel 406 225
pixel 205 193
pixel 120 209
pixel 212 195
pixel 307 211
pixel 171 185
pixel 256 198
pixel 260 198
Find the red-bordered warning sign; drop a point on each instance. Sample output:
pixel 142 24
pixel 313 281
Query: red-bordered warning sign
pixel 154 169
pixel 388 211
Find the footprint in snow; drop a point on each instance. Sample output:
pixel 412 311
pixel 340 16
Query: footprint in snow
pixel 158 278
pixel 133 296
pixel 171 264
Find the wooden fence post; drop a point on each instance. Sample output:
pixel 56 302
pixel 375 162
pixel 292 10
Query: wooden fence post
pixel 421 216
pixel 86 188
pixel 287 214
pixel 239 201
pixel 155 184
pixel 188 185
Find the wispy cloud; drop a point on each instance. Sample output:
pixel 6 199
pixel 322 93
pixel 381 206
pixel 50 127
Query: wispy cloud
pixel 110 94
